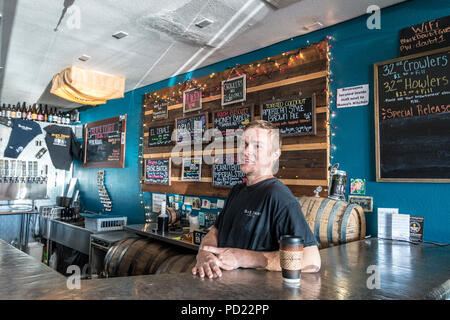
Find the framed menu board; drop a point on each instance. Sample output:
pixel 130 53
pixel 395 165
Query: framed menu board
pixel 104 143
pixel 192 99
pixel 227 122
pixel 160 111
pixel 294 116
pixel 226 172
pixel 160 136
pixel 412 118
pixel 191 169
pixel 157 171
pixel 234 90
pixel 191 129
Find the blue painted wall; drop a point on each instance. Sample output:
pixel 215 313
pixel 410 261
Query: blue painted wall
pixel 354 50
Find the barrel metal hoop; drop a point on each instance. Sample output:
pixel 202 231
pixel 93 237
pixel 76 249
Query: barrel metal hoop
pixel 108 258
pixel 136 255
pixel 184 269
pixel 169 253
pixel 119 261
pixel 317 220
pixel 345 221
pixel 153 257
pixel 331 219
pixel 177 258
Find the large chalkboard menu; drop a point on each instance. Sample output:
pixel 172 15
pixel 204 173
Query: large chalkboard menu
pixel 226 172
pixel 191 129
pixel 426 36
pixel 294 116
pixel 160 136
pixel 228 122
pixel 234 90
pixel 412 118
pixel 157 171
pixel 104 143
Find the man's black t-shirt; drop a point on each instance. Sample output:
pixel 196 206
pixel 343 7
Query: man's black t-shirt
pixel 256 216
pixel 62 146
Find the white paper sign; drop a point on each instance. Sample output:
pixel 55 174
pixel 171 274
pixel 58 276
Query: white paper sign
pixel 220 203
pixel 157 199
pixel 400 227
pixel 353 96
pixel 385 222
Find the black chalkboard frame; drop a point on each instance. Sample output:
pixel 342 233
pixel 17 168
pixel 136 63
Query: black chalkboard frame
pixel 313 111
pixel 161 145
pixel 183 179
pixel 106 164
pixel 244 88
pixel 185 110
pixel 212 177
pixel 379 178
pixel 170 172
pixel 165 107
pixel 252 116
pixel 206 138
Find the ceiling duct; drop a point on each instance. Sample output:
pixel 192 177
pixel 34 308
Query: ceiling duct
pixel 86 86
pixel 279 4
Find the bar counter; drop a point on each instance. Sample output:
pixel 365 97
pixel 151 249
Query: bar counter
pixel 406 271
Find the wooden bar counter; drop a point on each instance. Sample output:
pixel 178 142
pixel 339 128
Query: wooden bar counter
pixel 406 271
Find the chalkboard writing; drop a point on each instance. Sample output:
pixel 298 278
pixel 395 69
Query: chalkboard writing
pixel 234 90
pixel 294 116
pixel 191 129
pixel 160 111
pixel 160 136
pixel 191 169
pixel 228 122
pixel 226 172
pixel 192 99
pixel 412 116
pixel 105 143
pixel 157 171
pixel 426 36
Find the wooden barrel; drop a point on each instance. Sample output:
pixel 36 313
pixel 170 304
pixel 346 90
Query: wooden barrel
pixel 136 256
pixel 177 264
pixel 332 221
pixel 174 215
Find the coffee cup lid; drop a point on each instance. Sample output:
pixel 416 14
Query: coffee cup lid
pixel 291 239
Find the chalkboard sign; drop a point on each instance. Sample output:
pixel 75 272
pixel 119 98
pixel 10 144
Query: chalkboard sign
pixel 226 172
pixel 104 143
pixel 191 129
pixel 160 111
pixel 412 118
pixel 294 117
pixel 426 36
pixel 157 171
pixel 228 122
pixel 192 100
pixel 160 136
pixel 191 169
pixel 234 90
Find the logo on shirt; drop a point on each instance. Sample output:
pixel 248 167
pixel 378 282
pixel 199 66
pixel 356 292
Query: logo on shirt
pixel 252 213
pixel 24 127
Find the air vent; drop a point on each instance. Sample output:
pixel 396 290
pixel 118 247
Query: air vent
pixel 84 57
pixel 278 4
pixel 120 35
pixel 204 22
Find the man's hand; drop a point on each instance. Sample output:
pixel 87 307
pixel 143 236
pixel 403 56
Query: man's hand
pixel 207 263
pixel 228 257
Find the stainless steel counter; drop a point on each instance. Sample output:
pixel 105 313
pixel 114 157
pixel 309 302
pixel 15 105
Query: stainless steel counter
pixel 406 271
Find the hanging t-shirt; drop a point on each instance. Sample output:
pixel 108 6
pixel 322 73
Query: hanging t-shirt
pixel 23 131
pixel 256 216
pixel 62 146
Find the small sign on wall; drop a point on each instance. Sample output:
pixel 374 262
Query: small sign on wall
pixel 353 96
pixel 192 99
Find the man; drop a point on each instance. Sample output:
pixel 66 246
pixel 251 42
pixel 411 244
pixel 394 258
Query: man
pixel 257 213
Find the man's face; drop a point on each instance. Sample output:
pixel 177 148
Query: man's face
pixel 255 153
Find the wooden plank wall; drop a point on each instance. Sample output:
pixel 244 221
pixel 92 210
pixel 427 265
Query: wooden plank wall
pixel 304 159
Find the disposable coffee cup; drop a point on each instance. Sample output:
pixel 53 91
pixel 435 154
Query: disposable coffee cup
pixel 291 255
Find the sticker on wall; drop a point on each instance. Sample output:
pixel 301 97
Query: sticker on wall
pixel 364 201
pixel 357 186
pixel 353 96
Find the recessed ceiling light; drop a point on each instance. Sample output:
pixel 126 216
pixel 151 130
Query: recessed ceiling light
pixel 204 22
pixel 120 35
pixel 315 25
pixel 84 57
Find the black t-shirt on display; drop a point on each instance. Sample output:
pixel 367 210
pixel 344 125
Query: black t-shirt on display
pixel 256 216
pixel 62 146
pixel 23 131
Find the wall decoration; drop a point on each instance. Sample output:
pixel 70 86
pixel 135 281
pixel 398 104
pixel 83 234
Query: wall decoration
pixel 353 96
pixel 102 192
pixel 158 171
pixel 228 122
pixel 160 110
pixel 160 136
pixel 234 90
pixel 192 100
pixel 412 98
pixel 357 186
pixel 191 169
pixel 191 129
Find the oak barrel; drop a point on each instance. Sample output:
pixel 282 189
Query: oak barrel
pixel 333 221
pixel 177 264
pixel 136 256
